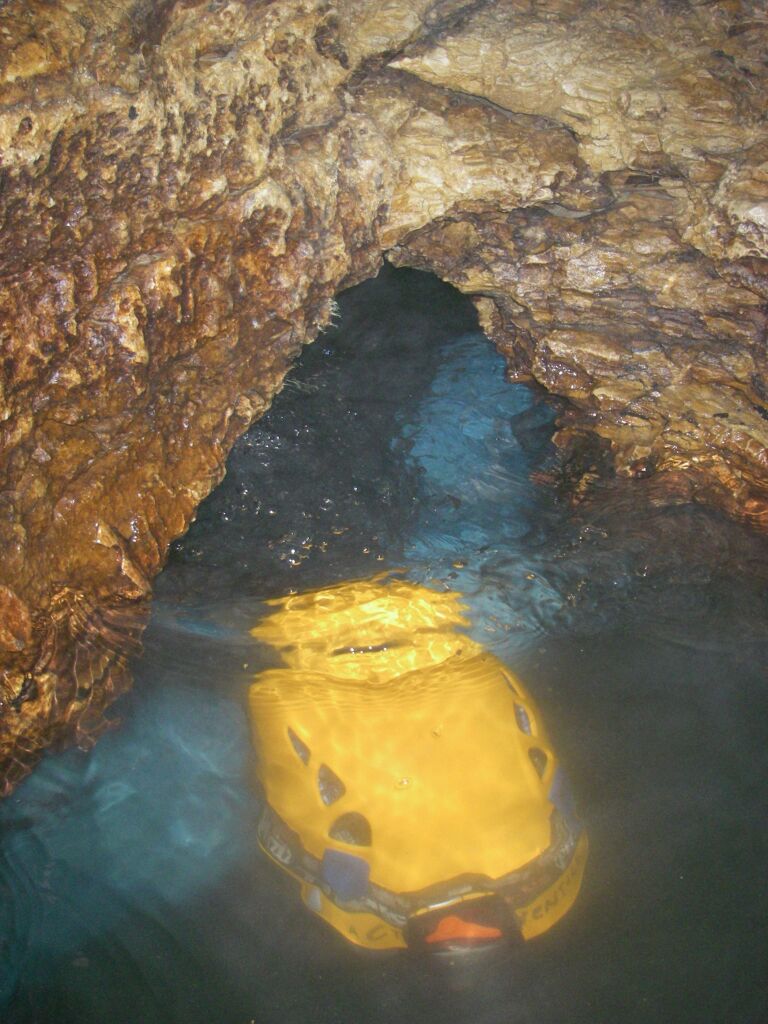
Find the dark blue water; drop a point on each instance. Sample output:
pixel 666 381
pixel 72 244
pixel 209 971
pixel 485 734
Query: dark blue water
pixel 131 884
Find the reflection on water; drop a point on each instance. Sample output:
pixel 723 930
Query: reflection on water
pixel 132 885
pixel 411 787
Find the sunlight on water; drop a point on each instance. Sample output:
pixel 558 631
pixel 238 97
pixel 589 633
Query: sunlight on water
pixel 132 884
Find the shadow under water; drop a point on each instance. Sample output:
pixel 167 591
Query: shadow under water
pixel 131 882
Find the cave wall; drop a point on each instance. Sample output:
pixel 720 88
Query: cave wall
pixel 185 185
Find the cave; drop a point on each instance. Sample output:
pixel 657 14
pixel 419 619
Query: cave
pixel 186 187
pixel 189 192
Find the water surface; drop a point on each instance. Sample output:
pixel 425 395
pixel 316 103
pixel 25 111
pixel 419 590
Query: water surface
pixel 131 883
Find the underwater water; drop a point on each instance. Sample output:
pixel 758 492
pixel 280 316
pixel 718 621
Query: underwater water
pixel 132 888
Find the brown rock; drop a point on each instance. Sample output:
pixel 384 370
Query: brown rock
pixel 186 185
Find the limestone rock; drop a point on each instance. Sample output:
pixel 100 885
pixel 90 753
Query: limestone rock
pixel 185 184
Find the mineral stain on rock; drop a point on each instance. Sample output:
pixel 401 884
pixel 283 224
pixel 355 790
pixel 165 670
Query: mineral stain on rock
pixel 185 187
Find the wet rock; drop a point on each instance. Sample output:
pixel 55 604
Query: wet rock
pixel 185 185
pixel 658 352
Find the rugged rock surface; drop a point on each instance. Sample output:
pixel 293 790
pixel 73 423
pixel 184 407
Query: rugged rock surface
pixel 185 185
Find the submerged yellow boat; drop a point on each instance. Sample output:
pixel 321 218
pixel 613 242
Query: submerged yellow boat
pixel 410 785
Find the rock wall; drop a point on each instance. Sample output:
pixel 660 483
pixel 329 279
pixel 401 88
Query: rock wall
pixel 185 185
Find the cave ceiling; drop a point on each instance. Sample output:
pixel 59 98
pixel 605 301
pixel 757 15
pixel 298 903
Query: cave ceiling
pixel 185 185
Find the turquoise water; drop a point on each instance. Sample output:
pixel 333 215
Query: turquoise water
pixel 131 884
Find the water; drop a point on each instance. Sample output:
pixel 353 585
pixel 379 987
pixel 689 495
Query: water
pixel 132 888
